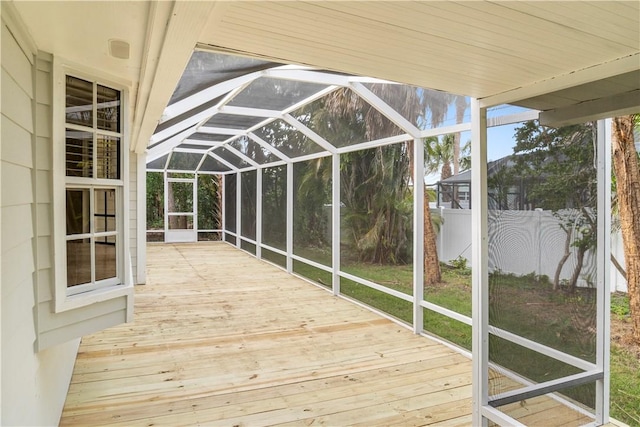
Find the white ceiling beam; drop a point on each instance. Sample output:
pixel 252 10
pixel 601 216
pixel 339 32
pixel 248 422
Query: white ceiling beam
pixel 242 156
pixel 311 156
pixel 524 116
pixel 166 146
pixel 309 133
pixel 200 118
pixel 264 144
pixel 190 150
pixel 206 95
pixel 201 162
pixel 173 30
pixel 220 131
pixel 375 143
pixel 247 111
pixel 207 144
pixel 576 78
pixel 310 99
pixel 223 161
pixel 385 109
pixel 203 116
pixel 612 106
pixel 445 130
pixel 273 164
pixel 309 76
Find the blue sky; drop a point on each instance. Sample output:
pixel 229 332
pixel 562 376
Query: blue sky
pixel 500 140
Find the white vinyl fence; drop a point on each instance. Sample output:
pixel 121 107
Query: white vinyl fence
pixel 522 242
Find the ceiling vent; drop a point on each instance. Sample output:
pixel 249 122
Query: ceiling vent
pixel 119 49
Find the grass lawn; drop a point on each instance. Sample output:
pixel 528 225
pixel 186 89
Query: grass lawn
pixel 524 305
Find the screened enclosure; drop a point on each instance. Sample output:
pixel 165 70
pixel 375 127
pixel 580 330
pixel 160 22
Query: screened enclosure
pixel 323 174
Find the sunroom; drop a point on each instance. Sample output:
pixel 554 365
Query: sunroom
pixel 291 154
pixel 317 172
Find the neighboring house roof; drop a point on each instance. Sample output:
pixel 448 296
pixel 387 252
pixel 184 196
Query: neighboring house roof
pixel 492 167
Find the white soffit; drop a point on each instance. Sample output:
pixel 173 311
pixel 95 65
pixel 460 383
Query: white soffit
pixel 480 49
pixel 79 31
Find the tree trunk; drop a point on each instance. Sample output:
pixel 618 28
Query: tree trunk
pixel 563 260
pixel 461 107
pixel 431 262
pixel 618 267
pixel 625 162
pixel 573 283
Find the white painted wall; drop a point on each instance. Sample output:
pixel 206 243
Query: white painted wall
pixel 522 243
pixel 34 385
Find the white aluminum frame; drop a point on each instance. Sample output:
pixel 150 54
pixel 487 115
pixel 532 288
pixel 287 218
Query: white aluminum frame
pixel 482 410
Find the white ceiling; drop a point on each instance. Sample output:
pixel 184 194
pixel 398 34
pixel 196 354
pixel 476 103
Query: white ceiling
pixel 496 51
pixel 479 49
pixel 80 31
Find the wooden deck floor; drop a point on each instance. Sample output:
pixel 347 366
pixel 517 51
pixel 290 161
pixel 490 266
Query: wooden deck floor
pixel 220 338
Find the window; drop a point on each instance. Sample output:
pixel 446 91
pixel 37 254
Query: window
pixel 94 188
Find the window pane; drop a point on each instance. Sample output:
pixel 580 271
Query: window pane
pixel 79 102
pixel 78 204
pixel 106 260
pixel 105 210
pixel 78 262
pixel 79 153
pixel 108 157
pixel 108 109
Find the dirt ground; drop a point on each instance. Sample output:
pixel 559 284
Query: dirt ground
pixel 621 334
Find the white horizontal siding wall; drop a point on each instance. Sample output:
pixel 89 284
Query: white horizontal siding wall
pixel 34 385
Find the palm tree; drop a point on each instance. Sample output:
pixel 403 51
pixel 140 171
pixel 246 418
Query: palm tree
pixel 625 162
pixel 439 155
pixel 461 106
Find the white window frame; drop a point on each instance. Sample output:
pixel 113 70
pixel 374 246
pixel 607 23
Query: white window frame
pixel 69 298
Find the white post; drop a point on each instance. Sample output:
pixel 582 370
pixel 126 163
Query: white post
pixel 259 213
pixel 238 209
pixel 603 293
pixel 194 208
pixel 480 277
pixel 166 204
pixel 223 208
pixel 418 234
pixel 141 189
pixel 289 217
pixel 335 223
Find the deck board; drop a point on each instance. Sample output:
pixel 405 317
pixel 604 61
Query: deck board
pixel 220 338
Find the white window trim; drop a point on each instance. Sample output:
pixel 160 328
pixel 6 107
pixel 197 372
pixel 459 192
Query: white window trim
pixel 65 301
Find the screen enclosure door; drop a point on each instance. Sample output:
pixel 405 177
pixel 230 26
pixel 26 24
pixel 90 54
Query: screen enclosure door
pixel 180 216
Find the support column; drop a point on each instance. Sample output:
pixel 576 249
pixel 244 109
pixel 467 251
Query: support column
pixel 194 208
pixel 141 203
pixel 289 217
pixel 259 213
pixel 238 209
pixel 480 275
pixel 603 294
pixel 223 208
pixel 335 223
pixel 166 203
pixel 418 234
